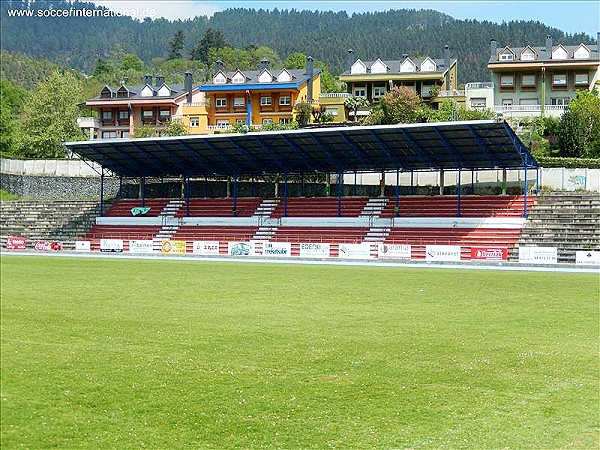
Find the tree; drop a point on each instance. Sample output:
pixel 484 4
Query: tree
pixel 131 62
pixel 212 38
pixel 102 68
pixel 303 112
pixel 579 130
pixel 400 105
pixel 174 128
pixel 50 116
pixel 355 103
pixel 145 131
pixel 176 45
pixel 450 110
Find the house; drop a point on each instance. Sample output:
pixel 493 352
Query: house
pixel 534 81
pixel 253 97
pixel 120 110
pixel 433 79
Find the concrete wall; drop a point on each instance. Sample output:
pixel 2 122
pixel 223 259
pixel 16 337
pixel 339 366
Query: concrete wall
pixel 58 188
pixel 50 167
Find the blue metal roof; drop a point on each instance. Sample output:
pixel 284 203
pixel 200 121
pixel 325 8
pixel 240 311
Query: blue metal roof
pixel 448 145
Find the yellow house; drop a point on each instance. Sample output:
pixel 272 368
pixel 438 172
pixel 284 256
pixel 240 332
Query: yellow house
pixel 252 97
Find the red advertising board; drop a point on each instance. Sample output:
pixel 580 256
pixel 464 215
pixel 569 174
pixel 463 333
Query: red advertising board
pixel 16 243
pixel 489 253
pixel 45 246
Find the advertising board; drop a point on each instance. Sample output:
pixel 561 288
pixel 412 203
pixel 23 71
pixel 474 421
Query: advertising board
pixel 16 243
pixel 277 249
pixel 48 246
pixel 400 251
pixel 141 246
pixel 83 246
pixel 172 247
pixel 111 245
pixel 238 248
pixel 588 257
pixel 205 247
pixel 442 253
pixel 489 253
pixel 314 250
pixel 538 255
pixel 355 251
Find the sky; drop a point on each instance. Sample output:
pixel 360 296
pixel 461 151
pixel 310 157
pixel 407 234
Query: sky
pixel 568 16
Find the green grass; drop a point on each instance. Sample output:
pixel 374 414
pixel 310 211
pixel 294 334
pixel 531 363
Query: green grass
pixel 176 354
pixel 4 196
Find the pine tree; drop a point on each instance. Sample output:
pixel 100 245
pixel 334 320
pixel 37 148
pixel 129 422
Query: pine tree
pixel 176 45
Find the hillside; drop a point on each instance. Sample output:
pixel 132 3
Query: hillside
pixel 78 42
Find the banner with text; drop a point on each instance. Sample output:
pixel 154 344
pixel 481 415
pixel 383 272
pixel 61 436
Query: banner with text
pixel 205 247
pixel 48 246
pixel 442 253
pixel 489 253
pixel 238 248
pixel 139 246
pixel 588 257
pixel 355 251
pixel 83 246
pixel 16 243
pixel 111 245
pixel 538 255
pixel 277 249
pixel 314 250
pixel 172 247
pixel 401 251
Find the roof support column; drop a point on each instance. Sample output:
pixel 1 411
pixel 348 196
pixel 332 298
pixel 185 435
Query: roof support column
pixel 187 196
pixel 302 190
pixel 537 180
pixel 120 193
pixel 235 191
pixel 354 189
pixel 205 187
pixel 472 181
pixel 441 181
pixel 143 191
pixel 102 193
pixel 285 180
pixel 459 191
pixel 340 178
pixel 504 181
pixel 525 189
pixel 412 184
pixel 397 207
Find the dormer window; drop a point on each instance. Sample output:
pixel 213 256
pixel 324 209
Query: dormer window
pixel 164 91
pixel 220 78
pixel 265 77
pixel 407 66
pixel 106 92
pixel 528 54
pixel 284 77
pixel 147 91
pixel 506 55
pixel 581 52
pixel 560 53
pixel 123 92
pixel 428 66
pixel 358 68
pixel 379 67
pixel 238 78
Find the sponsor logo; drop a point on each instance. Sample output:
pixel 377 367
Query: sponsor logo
pixel 16 243
pixel 240 249
pixel 489 253
pixel 43 246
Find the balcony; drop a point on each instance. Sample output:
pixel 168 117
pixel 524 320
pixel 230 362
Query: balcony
pixel 531 110
pixel 451 93
pixel 88 122
pixel 335 95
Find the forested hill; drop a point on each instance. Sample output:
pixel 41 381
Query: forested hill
pixel 78 42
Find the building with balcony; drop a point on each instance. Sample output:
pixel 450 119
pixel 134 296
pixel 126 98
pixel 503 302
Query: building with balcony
pixel 427 76
pixel 122 109
pixel 254 97
pixel 532 81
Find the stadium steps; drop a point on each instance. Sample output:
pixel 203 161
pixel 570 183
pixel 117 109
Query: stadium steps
pixel 264 233
pixel 266 208
pixel 48 220
pixel 377 234
pixel 568 221
pixel 374 207
pixel 171 208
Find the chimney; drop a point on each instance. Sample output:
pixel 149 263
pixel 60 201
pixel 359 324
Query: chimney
pixel 493 51
pixel 264 64
pixel 148 79
pixel 404 56
pixel 310 70
pixel 187 84
pixel 218 65
pixel 159 81
pixel 549 46
pixel 350 58
pixel 447 63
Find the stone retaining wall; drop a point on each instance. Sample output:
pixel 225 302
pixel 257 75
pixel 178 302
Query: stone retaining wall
pixel 58 188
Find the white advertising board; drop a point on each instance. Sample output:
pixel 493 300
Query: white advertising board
pixel 238 248
pixel 588 257
pixel 394 251
pixel 205 247
pixel 442 253
pixel 139 246
pixel 83 246
pixel 355 251
pixel 111 245
pixel 314 250
pixel 538 255
pixel 277 249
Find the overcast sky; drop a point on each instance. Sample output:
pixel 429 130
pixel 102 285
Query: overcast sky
pixel 569 16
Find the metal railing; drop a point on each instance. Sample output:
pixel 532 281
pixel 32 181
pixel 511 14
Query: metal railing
pixel 335 95
pixel 529 108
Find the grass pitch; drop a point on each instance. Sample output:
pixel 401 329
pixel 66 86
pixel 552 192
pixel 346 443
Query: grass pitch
pixel 106 353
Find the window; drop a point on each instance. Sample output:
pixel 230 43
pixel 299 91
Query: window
pixel 124 134
pixel 194 122
pixel 507 56
pixel 527 55
pixel 267 121
pixel 378 92
pixel 559 79
pixel 123 115
pixel 507 80
pixel 265 101
pixel 529 101
pixel 285 120
pixel 528 80
pixel 239 101
pixel 165 113
pixel 223 124
pixel 240 121
pixel 219 79
pixel 238 78
pixel 332 111
pixel 426 90
pixel 581 53
pixel 507 102
pixel 478 103
pixel 147 114
pixel 360 91
pixel 109 134
pixel 285 100
pixel 560 101
pixel 221 102
pixel 107 115
pixel 582 78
